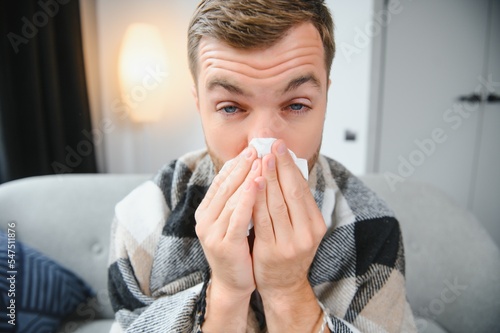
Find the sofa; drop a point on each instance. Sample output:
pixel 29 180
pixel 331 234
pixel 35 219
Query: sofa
pixel 452 265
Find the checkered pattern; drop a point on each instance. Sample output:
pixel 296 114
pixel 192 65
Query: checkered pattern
pixel 158 272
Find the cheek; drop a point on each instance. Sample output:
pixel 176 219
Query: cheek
pixel 224 141
pixel 305 146
pixel 219 139
pixel 305 141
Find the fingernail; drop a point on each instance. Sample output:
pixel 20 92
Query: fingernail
pixel 271 163
pixel 281 148
pixel 255 165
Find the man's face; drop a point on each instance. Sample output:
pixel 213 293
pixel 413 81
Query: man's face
pixel 276 92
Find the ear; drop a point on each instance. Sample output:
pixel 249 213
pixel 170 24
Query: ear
pixel 194 91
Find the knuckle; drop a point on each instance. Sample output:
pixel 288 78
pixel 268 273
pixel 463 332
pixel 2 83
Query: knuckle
pixel 208 197
pixel 307 239
pixel 217 182
pixel 264 224
pixel 224 188
pixel 307 243
pixel 297 192
pixel 210 246
pixel 199 214
pixel 199 229
pixel 287 161
pixel 231 203
pixel 289 253
pixel 271 176
pixel 321 230
pixel 240 166
pixel 260 200
pixel 262 220
pixel 281 210
pixel 228 165
pixel 234 219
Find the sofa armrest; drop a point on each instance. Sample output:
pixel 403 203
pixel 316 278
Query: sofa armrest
pixel 68 218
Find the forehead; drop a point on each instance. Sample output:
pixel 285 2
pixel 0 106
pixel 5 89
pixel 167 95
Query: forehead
pixel 301 49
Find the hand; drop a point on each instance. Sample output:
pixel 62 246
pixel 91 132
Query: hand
pixel 288 229
pixel 221 225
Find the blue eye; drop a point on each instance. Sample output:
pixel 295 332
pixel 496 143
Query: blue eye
pixel 230 109
pixel 296 107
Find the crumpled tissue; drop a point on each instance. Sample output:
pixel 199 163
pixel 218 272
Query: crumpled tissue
pixel 263 147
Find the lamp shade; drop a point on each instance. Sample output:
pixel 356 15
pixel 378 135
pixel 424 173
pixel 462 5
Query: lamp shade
pixel 142 70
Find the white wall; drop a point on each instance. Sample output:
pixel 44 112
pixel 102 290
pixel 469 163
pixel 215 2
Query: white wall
pixel 138 148
pixel 128 147
pixel 349 95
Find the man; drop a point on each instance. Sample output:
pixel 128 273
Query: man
pixel 325 254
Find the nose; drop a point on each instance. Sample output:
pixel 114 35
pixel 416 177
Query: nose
pixel 266 125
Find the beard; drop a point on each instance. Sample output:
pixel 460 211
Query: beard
pixel 219 163
pixel 312 161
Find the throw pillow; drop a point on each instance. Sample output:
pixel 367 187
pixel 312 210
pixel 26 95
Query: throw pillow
pixel 36 293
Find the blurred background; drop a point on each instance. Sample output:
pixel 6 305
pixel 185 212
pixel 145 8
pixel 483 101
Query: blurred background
pixel 103 86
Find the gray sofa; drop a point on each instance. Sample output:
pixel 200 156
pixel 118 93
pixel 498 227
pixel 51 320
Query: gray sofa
pixel 453 266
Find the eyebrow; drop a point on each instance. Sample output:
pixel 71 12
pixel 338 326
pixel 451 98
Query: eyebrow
pixel 292 85
pixel 223 83
pixel 297 82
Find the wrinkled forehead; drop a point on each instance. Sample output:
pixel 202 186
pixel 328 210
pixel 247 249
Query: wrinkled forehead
pixel 300 47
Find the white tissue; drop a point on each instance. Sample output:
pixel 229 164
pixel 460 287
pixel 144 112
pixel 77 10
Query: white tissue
pixel 263 147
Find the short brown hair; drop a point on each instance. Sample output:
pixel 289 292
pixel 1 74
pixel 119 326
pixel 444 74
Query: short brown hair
pixel 251 24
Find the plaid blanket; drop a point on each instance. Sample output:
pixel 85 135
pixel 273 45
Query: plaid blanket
pixel 158 272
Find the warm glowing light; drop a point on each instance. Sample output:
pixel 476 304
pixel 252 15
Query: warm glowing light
pixel 142 70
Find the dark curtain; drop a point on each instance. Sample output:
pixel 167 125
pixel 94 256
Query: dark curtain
pixel 44 111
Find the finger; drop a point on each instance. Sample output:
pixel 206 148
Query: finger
pixel 278 210
pixel 243 202
pixel 227 168
pixel 228 183
pixel 231 203
pixel 261 219
pixel 294 187
pixel 218 228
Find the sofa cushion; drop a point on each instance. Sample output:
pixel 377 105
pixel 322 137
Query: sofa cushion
pixel 452 263
pixel 87 326
pixel 36 292
pixel 427 325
